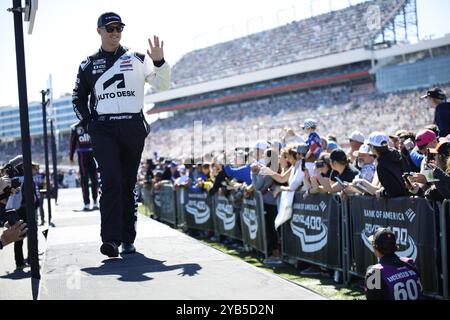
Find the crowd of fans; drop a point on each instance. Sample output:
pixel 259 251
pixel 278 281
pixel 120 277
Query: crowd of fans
pixel 339 110
pixel 326 34
pixel 395 148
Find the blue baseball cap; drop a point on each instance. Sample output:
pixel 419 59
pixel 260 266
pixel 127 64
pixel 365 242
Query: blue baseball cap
pixel 332 145
pixel 108 18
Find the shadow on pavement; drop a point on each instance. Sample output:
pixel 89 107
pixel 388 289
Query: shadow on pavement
pixel 133 267
pixel 17 275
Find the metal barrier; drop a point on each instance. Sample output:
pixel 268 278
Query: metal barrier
pixel 227 220
pixel 164 201
pixel 313 234
pixel 415 223
pixel 323 230
pixel 180 196
pixel 253 223
pixel 198 210
pixel 444 223
pixel 147 200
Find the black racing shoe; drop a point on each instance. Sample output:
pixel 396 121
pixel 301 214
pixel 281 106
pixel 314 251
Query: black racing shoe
pixel 110 249
pixel 128 248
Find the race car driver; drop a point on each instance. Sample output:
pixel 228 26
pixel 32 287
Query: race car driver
pixel 113 78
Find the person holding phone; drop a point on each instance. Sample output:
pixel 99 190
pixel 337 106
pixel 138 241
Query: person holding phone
pixel 345 172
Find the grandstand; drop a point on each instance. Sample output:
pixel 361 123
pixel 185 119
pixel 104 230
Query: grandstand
pixel 339 67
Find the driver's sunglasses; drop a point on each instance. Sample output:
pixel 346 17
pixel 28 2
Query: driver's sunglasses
pixel 110 29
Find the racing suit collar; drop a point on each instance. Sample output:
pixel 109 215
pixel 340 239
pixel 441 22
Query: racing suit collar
pixel 118 50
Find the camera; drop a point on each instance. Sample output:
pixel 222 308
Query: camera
pixel 13 169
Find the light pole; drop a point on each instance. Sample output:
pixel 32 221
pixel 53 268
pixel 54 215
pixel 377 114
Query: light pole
pixel 28 193
pixel 47 167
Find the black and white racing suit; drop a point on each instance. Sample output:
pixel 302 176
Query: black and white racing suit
pixel 80 142
pixel 114 83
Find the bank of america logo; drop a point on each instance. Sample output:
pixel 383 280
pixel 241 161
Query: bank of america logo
pixel 410 215
pixel 322 206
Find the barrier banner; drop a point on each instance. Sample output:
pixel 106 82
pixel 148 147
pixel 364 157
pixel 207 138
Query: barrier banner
pixel 253 222
pixel 180 195
pixel 198 210
pixel 228 218
pixel 164 200
pixel 313 233
pixel 145 193
pixel 414 222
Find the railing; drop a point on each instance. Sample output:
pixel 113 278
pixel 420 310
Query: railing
pixel 324 230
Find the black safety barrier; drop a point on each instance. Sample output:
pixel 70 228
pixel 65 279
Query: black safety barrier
pixel 415 221
pixel 180 201
pixel 253 223
pixel 198 210
pixel 164 202
pixel 227 220
pixel 445 227
pixel 313 234
pixel 146 197
pixel 421 227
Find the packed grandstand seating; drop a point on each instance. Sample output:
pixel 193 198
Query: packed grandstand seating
pixel 317 76
pixel 338 110
pixel 330 33
pixel 9 150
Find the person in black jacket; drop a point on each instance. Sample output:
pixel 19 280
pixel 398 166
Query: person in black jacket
pixel 390 167
pixel 438 99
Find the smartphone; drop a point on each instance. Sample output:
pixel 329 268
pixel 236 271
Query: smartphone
pixel 405 177
pixel 430 156
pixel 409 144
pixel 361 188
pixel 341 183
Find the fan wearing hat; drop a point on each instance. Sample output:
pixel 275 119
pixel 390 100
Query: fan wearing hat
pixel 390 167
pixel 343 173
pixel 366 161
pixel 356 140
pixel 314 141
pixel 385 280
pixel 438 99
pixel 441 173
pixel 425 140
pixel 171 172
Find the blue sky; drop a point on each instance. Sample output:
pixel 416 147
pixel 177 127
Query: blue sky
pixel 64 32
